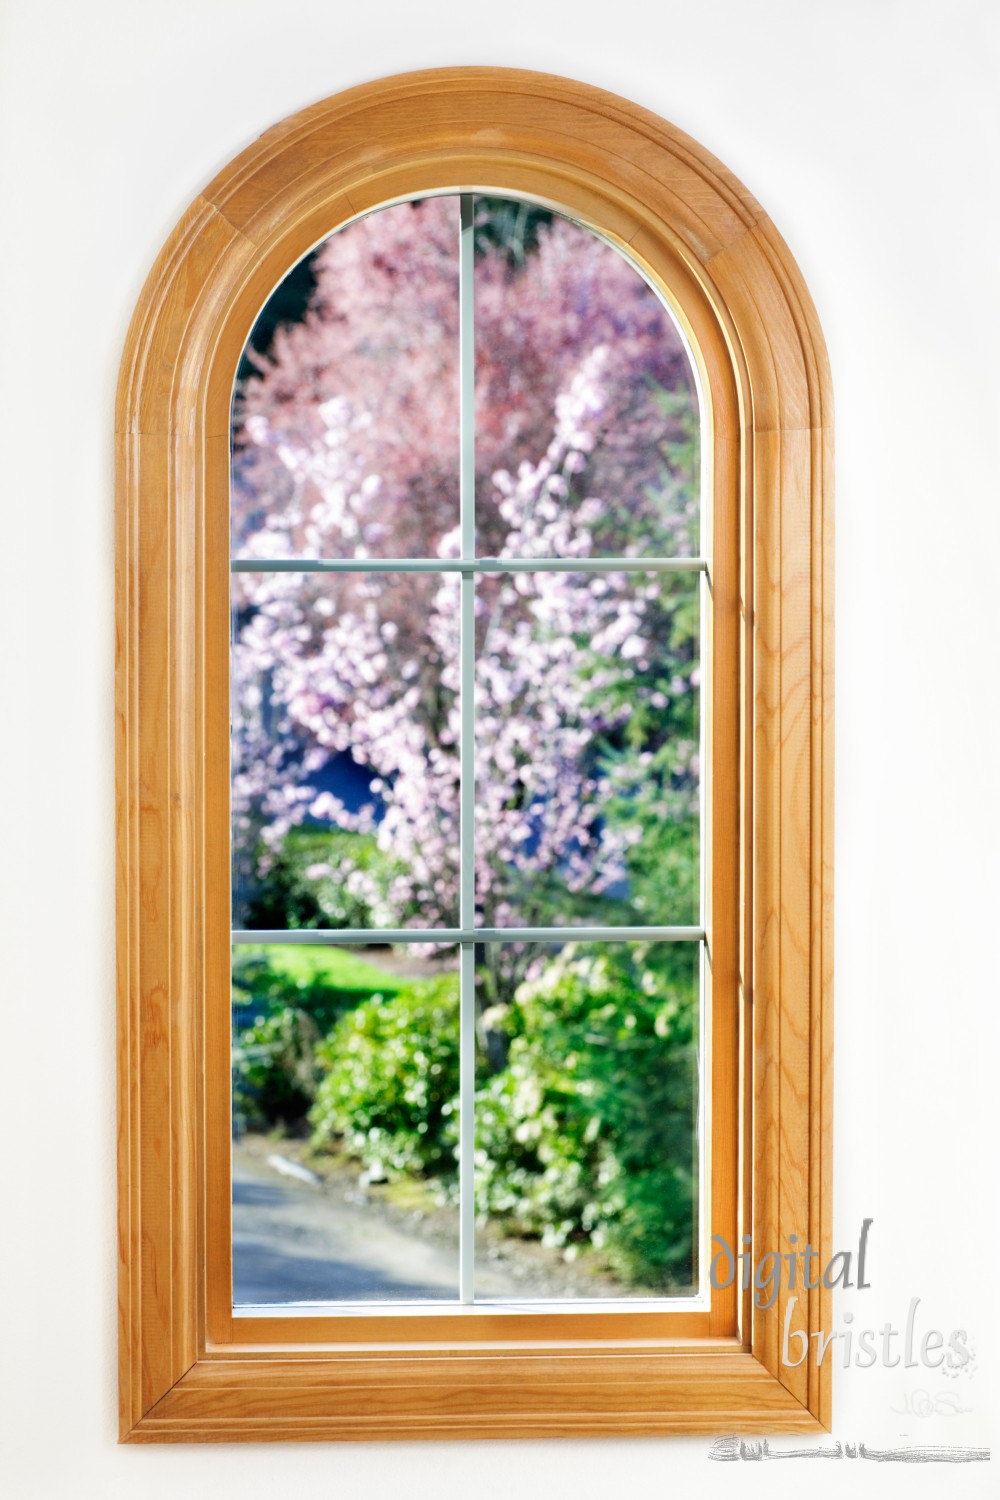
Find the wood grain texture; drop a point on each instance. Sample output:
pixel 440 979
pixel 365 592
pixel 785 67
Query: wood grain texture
pixel 478 1394
pixel 704 240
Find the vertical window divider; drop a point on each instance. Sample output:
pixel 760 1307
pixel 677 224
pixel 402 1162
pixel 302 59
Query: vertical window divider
pixel 467 762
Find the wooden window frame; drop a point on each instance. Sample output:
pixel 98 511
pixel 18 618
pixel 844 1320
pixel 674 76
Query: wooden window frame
pixel 188 1370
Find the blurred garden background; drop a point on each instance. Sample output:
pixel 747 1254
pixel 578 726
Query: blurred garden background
pixel 346 728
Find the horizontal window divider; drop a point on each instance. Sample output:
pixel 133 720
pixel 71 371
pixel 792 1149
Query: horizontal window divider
pixel 334 936
pixel 469 565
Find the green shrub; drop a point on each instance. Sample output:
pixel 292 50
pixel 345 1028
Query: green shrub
pixel 390 1080
pixel 285 999
pixel 321 877
pixel 274 1070
pixel 588 1135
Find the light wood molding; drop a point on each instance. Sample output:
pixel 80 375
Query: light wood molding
pixel 188 1371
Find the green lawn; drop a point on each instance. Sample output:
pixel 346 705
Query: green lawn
pixel 339 968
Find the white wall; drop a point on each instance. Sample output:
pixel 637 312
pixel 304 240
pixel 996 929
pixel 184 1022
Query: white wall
pixel 863 126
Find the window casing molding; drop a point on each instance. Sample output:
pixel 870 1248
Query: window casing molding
pixel 698 234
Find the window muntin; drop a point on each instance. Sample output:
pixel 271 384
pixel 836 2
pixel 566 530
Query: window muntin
pixel 571 569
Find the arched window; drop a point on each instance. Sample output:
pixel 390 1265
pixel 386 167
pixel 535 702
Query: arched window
pixel 466 697
pixel 478 665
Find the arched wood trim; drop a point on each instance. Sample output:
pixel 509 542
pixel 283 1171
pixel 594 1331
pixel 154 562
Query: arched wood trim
pixel 694 228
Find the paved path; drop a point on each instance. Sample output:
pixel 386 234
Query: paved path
pixel 294 1242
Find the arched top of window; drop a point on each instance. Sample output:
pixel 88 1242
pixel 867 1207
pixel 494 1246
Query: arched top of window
pixel 637 180
pixel 346 420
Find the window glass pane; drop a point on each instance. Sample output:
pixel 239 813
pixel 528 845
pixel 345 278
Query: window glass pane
pixel 587 749
pixel 587 1140
pixel 345 750
pixel 586 408
pixel 345 1072
pixel 345 417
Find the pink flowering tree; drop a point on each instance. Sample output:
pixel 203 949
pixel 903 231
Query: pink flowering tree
pixel 346 446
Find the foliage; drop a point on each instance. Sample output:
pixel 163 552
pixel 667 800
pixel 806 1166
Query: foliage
pixel 285 999
pixel 318 877
pixel 508 227
pixel 587 1135
pixel 274 1068
pixel 390 1080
